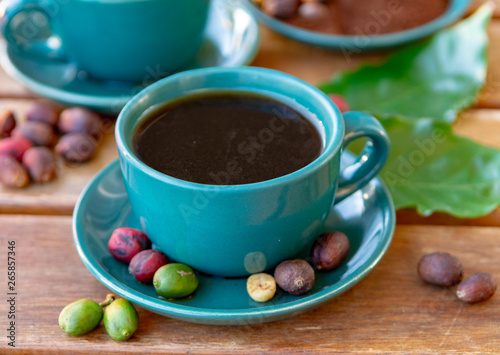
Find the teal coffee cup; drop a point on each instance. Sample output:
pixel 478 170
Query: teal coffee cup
pixel 236 230
pixel 124 40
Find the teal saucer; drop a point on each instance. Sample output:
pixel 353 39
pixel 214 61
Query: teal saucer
pixel 232 39
pixel 356 44
pixel 367 218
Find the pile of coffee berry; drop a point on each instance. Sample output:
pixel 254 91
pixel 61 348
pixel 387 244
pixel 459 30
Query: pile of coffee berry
pixel 29 151
pixel 149 266
pixel 119 316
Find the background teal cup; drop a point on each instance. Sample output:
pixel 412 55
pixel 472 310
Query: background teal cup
pixel 126 40
pixel 237 230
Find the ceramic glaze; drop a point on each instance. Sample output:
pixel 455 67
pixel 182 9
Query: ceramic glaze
pixel 243 229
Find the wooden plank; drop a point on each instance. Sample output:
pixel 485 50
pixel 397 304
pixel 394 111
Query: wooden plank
pixel 60 195
pixel 390 311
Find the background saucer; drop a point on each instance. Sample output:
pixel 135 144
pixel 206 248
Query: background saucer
pixel 231 39
pixel 367 217
pixel 456 10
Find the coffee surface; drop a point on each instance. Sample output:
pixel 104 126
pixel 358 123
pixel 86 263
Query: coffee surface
pixel 226 139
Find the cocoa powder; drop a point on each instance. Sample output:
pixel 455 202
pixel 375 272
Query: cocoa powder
pixel 372 17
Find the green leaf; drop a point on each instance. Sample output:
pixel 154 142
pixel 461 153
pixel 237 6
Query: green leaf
pixel 436 78
pixel 433 169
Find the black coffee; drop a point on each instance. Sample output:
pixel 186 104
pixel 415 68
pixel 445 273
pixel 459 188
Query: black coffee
pixel 226 139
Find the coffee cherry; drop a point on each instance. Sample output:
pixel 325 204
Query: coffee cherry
pixel 175 281
pixel 41 164
pixel 125 243
pixel 80 317
pixel 340 102
pixel 80 120
pixel 145 263
pixel 76 147
pixel 12 173
pixel 121 319
pixel 40 134
pixel 15 147
pixel 44 112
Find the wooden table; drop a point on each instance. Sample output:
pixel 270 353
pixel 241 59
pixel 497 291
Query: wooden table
pixel 390 311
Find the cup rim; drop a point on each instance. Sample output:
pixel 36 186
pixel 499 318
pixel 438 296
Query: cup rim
pixel 333 142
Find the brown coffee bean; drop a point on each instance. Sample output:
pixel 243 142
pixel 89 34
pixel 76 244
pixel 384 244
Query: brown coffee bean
pixel 44 112
pixel 81 120
pixel 76 147
pixel 477 288
pixel 280 8
pixel 41 164
pixel 329 250
pixel 295 276
pixel 15 147
pixel 40 134
pixel 12 173
pixel 440 269
pixel 7 123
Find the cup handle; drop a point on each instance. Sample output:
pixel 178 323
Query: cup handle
pixel 372 158
pixel 24 40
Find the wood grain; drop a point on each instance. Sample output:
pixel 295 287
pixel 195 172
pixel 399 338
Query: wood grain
pixel 390 311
